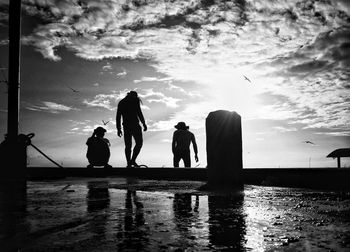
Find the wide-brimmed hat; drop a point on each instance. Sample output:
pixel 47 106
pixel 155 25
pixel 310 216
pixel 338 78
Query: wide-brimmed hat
pixel 132 93
pixel 100 129
pixel 181 125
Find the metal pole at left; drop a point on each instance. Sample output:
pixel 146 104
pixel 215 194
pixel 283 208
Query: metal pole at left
pixel 14 69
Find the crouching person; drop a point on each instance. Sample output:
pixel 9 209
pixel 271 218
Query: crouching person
pixel 98 152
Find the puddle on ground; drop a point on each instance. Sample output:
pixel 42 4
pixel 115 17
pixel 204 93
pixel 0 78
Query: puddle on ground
pixel 116 214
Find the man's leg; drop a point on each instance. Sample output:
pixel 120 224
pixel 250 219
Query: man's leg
pixel 128 142
pixel 137 133
pixel 186 156
pixel 176 159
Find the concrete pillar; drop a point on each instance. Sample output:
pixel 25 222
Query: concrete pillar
pixel 224 149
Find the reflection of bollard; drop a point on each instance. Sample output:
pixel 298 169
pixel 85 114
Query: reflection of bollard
pixel 224 149
pixel 227 233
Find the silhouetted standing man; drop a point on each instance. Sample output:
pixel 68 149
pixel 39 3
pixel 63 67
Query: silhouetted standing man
pixel 129 108
pixel 182 139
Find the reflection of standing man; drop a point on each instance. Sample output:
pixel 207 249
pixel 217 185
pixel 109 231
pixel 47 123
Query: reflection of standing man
pixel 129 109
pixel 135 235
pixel 182 139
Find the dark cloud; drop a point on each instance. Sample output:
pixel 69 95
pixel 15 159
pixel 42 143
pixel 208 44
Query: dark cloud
pixel 93 21
pixel 326 57
pixel 185 17
pixel 347 86
pixel 345 46
pixel 345 6
pixel 241 9
pixel 207 3
pixel 341 52
pixel 305 6
pixel 168 21
pixel 321 18
pixel 138 3
pixel 333 37
pixel 180 19
pixel 41 11
pixel 290 15
pixel 307 67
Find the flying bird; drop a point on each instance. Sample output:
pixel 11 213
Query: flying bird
pixel 308 142
pixel 105 123
pixel 277 30
pixel 74 90
pixel 246 78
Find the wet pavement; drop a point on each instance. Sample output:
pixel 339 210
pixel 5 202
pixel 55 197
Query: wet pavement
pixel 120 214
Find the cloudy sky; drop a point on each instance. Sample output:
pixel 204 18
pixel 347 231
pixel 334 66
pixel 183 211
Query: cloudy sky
pixel 186 59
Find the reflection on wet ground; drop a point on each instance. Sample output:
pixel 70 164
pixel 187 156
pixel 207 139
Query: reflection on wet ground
pixel 116 214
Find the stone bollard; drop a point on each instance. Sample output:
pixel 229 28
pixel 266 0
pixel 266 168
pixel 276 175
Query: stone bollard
pixel 224 149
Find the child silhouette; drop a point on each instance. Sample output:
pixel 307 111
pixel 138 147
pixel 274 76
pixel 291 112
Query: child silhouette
pixel 98 152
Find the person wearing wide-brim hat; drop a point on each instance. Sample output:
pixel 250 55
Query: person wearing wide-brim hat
pixel 182 139
pixel 98 152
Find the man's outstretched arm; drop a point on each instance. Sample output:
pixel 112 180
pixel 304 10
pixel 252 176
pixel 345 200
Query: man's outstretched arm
pixel 142 119
pixel 118 124
pixel 195 149
pixel 173 144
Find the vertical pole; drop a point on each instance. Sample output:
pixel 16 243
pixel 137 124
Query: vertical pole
pixel 13 153
pixel 14 69
pixel 338 161
pixel 15 167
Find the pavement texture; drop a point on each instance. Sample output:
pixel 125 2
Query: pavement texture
pixel 128 214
